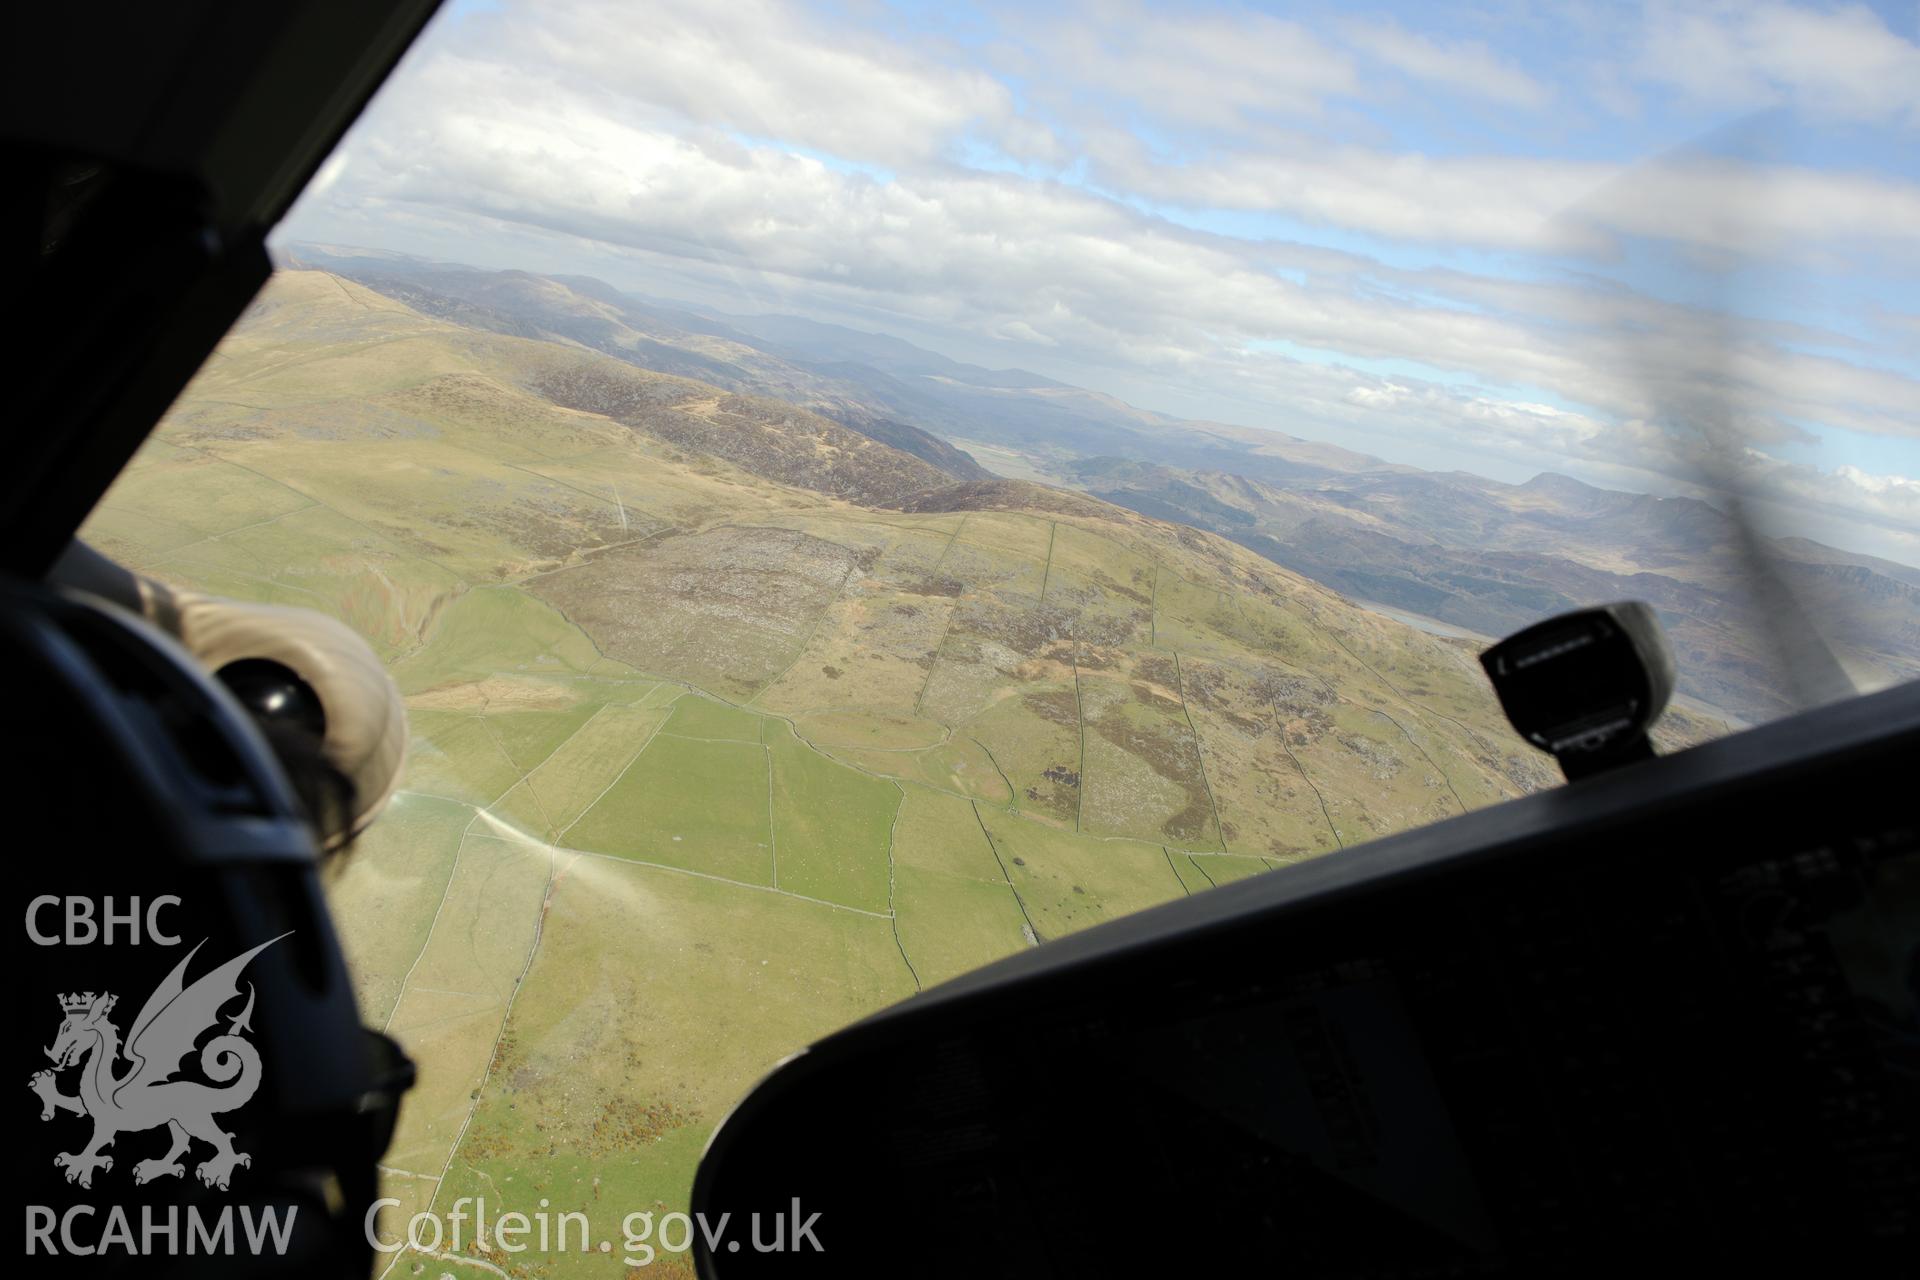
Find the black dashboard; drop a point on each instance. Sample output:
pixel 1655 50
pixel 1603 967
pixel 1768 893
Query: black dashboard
pixel 1664 1016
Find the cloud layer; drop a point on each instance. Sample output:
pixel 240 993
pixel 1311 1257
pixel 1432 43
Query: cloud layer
pixel 1354 228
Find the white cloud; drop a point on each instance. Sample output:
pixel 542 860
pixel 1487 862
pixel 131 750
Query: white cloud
pixel 991 251
pixel 1463 66
pixel 762 69
pixel 1839 63
pixel 1223 70
pixel 1887 501
pixel 1547 205
pixel 1904 488
pixel 816 166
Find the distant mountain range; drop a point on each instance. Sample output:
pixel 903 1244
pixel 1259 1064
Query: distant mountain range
pixel 876 384
pixel 1472 552
pixel 1493 557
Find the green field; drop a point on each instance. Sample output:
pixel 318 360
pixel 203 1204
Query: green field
pixel 691 803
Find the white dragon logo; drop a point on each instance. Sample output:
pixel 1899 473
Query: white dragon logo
pixel 146 1096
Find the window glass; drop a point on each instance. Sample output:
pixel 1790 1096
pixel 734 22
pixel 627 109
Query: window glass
pixel 849 493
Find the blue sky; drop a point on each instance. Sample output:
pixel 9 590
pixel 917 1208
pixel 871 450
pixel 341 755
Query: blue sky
pixel 1503 237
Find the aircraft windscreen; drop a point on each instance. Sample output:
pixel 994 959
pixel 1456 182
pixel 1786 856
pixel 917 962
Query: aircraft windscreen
pixel 851 494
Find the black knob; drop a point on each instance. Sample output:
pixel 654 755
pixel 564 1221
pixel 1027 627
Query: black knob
pixel 275 695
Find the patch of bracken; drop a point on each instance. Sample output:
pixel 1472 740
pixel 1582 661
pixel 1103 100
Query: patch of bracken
pixel 1160 671
pixel 1011 495
pixel 627 1123
pixel 1147 696
pixel 940 585
pixel 1169 751
pixel 765 437
pixel 1056 706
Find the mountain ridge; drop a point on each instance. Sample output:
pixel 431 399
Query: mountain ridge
pixel 1468 550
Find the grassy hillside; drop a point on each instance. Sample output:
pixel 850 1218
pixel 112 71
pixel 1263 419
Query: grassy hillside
pixel 594 315
pixel 732 725
pixel 1473 552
